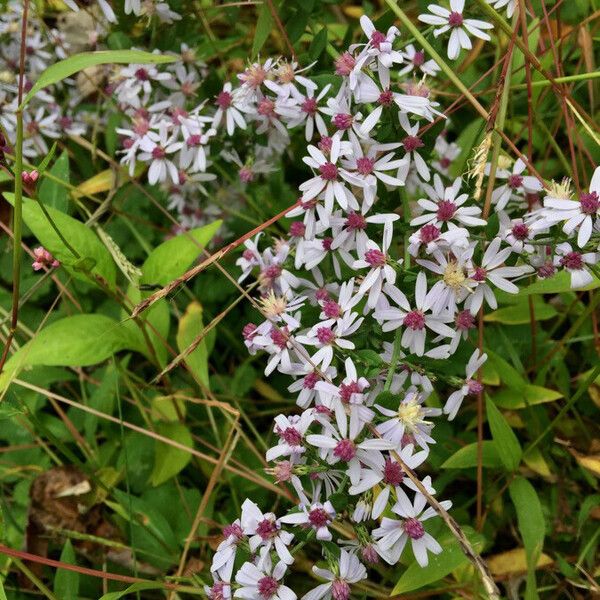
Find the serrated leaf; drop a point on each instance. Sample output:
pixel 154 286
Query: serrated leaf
pixel 76 341
pixel 466 457
pixel 92 251
pixel 506 441
pixel 168 460
pixel 440 565
pixel 77 62
pixel 54 194
pixel 531 526
pixel 66 583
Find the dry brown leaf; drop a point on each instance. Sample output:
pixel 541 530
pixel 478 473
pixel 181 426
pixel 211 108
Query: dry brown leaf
pixel 513 562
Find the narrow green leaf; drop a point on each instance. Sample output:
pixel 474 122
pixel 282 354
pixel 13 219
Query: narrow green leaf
pixel 168 460
pixel 510 376
pixel 190 327
pixel 440 565
pixel 528 396
pixel 66 583
pixel 531 525
pixel 318 44
pixel 53 194
pixel 561 282
pixel 264 25
pixel 518 313
pixel 67 67
pixel 507 444
pixel 2 592
pixel 95 258
pixel 134 587
pixel 466 457
pixel 76 341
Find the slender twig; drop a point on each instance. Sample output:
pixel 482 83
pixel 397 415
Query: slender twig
pixel 281 28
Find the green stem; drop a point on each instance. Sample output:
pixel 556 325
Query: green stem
pixel 566 79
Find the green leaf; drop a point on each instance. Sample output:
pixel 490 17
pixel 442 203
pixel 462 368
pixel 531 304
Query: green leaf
pixel 531 525
pixel 440 565
pixel 66 583
pixel 53 193
pixel 172 258
pixel 518 313
pixel 466 457
pixel 561 282
pixel 264 25
pixel 510 376
pixel 528 396
pixel 190 327
pixel 67 67
pixel 168 460
pixel 76 341
pixel 506 441
pixel 318 44
pixel 95 258
pixel 134 587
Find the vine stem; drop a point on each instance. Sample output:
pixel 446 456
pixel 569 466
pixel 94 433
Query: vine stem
pixel 18 208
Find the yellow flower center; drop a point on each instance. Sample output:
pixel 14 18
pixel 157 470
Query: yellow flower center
pixel 454 275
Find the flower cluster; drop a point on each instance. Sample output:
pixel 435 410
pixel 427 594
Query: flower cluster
pixel 335 280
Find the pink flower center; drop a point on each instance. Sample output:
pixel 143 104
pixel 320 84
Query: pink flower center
pixel 322 294
pixel 376 258
pixel 318 517
pixel 233 529
pixel 266 529
pixel 217 591
pixel 414 528
pixel 465 320
pixel 271 272
pixel 224 100
pixel 266 107
pixel 344 64
pixel 291 436
pixel 515 181
pixel 326 243
pixel 365 165
pixel 546 270
pixel 589 203
pixel 386 98
pixel 445 162
pixel 356 221
pixel 377 38
pixel 342 121
pixel 446 210
pixel 520 231
pixel 309 106
pixel 455 19
pixel 297 229
pixel 267 587
pixel 246 175
pixel 572 260
pixel 479 274
pixel 325 335
pixel 369 554
pixel 329 172
pixel 412 142
pixel 392 472
pixel 415 320
pixel 345 450
pixel 325 144
pixel 283 471
pixel 158 153
pixel 278 337
pixel 332 309
pixel 194 140
pixel 310 381
pixel 429 233
pixel 141 74
pixel 348 389
pixel 249 331
pixel 475 387
pixel 418 58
